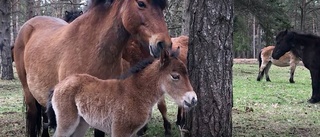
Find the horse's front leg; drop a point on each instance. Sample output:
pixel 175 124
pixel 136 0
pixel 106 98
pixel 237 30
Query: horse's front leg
pixel 315 78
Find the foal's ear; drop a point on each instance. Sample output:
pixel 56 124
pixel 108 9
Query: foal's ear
pixel 81 12
pixel 164 58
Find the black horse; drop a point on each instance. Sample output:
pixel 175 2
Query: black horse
pixel 69 16
pixel 306 47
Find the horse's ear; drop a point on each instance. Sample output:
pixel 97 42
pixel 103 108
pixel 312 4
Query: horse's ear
pixel 67 12
pixel 286 31
pixel 164 58
pixel 81 12
pixel 176 53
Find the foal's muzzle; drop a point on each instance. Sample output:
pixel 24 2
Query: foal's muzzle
pixel 190 99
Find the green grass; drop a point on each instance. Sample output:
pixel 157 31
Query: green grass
pixel 276 108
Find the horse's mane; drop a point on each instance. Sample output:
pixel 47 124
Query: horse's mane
pixel 161 3
pixel 138 67
pixel 145 63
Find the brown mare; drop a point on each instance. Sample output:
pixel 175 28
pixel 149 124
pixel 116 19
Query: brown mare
pixel 48 49
pixel 69 16
pixel 119 107
pixel 265 62
pixel 133 53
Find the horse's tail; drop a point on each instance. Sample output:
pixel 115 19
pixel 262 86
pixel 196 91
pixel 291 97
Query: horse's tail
pixel 50 112
pixel 259 59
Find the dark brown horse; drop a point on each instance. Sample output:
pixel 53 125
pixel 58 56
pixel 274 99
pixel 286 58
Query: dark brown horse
pixel 265 62
pixel 307 47
pixel 119 107
pixel 48 49
pixel 134 52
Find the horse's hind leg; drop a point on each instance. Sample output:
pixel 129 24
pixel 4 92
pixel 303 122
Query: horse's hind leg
pixel 292 69
pixel 261 70
pixel 267 71
pixel 81 129
pixel 98 133
pixel 163 110
pixel 66 127
pixel 45 132
pixel 33 115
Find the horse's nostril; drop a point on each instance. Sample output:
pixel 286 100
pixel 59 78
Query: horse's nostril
pixel 193 101
pixel 160 45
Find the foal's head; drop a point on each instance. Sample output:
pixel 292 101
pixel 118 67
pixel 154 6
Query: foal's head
pixel 69 16
pixel 284 43
pixel 144 20
pixel 174 79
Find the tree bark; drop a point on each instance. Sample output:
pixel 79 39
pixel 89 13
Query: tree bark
pixel 5 50
pixel 185 18
pixel 210 67
pixel 30 9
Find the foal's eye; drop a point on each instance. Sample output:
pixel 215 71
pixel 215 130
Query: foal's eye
pixel 141 4
pixel 175 76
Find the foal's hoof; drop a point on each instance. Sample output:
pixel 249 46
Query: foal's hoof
pixel 314 100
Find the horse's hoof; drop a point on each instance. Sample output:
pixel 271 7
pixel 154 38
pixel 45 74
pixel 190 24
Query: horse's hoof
pixel 258 79
pixel 314 100
pixel 268 80
pixel 291 81
pixel 167 134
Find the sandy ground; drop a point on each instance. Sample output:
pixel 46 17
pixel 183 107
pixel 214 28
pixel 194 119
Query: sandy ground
pixel 245 61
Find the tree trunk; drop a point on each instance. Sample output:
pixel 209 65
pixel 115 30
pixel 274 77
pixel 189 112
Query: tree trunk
pixel 5 50
pixel 185 18
pixel 30 9
pixel 210 67
pixel 173 17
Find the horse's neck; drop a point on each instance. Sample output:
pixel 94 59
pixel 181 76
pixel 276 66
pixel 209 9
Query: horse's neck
pixel 146 85
pixel 300 42
pixel 304 40
pixel 105 31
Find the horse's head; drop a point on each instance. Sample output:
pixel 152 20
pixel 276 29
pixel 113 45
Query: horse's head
pixel 174 79
pixel 144 20
pixel 69 16
pixel 283 43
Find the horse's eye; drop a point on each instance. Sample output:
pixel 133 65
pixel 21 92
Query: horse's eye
pixel 141 4
pixel 175 76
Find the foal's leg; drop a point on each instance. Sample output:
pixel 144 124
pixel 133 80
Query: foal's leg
pixel 292 69
pixel 67 119
pixel 122 130
pixel 267 71
pixel 163 110
pixel 315 77
pixel 81 129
